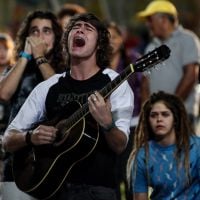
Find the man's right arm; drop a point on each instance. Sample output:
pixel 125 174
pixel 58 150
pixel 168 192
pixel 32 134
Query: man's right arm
pixel 14 140
pixel 10 82
pixel 29 118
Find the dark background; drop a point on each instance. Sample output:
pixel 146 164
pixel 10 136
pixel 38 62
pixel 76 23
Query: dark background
pixel 123 12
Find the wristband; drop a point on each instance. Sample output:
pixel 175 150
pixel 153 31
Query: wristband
pixel 109 127
pixel 28 138
pixel 41 60
pixel 39 57
pixel 23 54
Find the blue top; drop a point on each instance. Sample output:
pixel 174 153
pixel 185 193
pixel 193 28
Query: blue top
pixel 167 181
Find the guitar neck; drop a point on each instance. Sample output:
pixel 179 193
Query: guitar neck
pixel 114 84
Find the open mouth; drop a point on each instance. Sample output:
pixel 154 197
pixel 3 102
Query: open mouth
pixel 79 42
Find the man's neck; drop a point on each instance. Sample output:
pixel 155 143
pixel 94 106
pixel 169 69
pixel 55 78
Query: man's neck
pixel 83 70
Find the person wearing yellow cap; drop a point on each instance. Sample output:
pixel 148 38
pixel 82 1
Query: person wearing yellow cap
pixel 180 73
pixel 161 6
pixel 159 169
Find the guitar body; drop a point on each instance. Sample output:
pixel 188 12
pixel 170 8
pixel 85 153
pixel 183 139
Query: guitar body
pixel 41 170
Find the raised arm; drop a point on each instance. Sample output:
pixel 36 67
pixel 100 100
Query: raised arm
pixel 34 48
pixel 102 114
pixel 39 49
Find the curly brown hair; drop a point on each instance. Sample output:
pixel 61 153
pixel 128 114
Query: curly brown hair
pixel 55 56
pixel 104 49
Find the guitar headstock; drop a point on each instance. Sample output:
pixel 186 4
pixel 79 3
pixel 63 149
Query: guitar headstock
pixel 152 58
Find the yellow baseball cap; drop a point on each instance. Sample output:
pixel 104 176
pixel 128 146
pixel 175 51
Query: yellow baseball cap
pixel 158 6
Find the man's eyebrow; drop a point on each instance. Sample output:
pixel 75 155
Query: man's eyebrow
pixel 90 26
pixel 47 27
pixel 33 27
pixel 85 24
pixel 36 27
pixel 164 111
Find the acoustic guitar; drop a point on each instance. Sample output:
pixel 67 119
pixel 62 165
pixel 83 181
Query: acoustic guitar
pixel 41 170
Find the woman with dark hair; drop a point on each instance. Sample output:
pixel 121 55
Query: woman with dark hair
pixel 105 116
pixel 166 152
pixel 38 54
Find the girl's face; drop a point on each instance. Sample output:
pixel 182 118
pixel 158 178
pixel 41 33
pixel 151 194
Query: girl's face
pixel 161 120
pixel 116 40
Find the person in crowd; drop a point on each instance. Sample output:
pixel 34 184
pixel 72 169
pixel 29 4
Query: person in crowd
pixel 39 55
pixel 6 62
pixel 6 52
pixel 120 59
pixel 165 160
pixel 106 114
pixel 179 75
pixel 67 11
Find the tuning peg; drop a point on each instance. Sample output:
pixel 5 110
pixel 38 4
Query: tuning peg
pixel 147 72
pixel 157 67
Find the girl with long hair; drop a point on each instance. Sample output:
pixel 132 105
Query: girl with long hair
pixel 166 153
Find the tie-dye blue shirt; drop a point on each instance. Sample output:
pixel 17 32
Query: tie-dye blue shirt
pixel 167 181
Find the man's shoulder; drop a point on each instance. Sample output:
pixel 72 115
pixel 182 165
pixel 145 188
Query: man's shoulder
pixel 195 139
pixel 54 78
pixel 184 33
pixel 110 72
pixel 50 81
